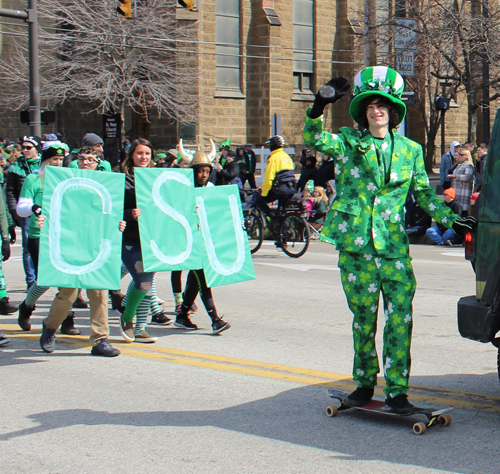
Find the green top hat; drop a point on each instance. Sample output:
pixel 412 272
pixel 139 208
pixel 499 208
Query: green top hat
pixel 225 145
pixel 378 80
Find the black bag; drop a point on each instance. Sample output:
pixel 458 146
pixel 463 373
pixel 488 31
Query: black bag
pixel 284 183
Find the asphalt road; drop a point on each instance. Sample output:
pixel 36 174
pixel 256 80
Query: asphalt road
pixel 253 399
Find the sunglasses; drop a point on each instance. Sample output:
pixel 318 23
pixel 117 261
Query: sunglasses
pixel 28 147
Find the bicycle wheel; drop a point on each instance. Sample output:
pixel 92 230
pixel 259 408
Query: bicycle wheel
pixel 294 235
pixel 255 230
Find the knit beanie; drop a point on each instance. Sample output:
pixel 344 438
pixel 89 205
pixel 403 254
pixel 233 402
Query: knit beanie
pixel 91 139
pixel 35 141
pixel 53 150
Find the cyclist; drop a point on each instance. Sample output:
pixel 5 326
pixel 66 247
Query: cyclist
pixel 279 178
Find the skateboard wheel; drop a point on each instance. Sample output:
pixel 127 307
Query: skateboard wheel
pixel 444 420
pixel 332 411
pixel 419 428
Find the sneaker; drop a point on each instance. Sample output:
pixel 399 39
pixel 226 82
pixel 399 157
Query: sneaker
pixel 116 299
pixel 127 330
pixel 47 339
pixel 3 339
pixel 400 404
pixel 193 308
pixel 178 308
pixel 359 397
pixel 448 243
pixel 68 325
pixel 104 348
pixel 145 337
pixel 218 326
pixel 24 317
pixel 6 307
pixel 183 321
pixel 80 303
pixel 161 320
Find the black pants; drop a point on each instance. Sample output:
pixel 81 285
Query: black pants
pixel 196 283
pixel 250 177
pixel 34 250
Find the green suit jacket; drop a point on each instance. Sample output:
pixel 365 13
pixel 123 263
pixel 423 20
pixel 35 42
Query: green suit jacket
pixel 367 215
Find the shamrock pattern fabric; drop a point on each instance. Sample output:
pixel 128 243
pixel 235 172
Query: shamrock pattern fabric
pixel 364 277
pixel 367 215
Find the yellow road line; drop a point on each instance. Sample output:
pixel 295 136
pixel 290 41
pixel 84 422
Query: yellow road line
pixel 419 393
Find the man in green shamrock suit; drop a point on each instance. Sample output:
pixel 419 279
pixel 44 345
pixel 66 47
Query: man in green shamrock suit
pixel 374 170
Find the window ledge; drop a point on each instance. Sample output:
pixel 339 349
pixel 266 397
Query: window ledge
pixel 229 94
pixel 303 97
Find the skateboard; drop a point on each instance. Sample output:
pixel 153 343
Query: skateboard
pixel 434 416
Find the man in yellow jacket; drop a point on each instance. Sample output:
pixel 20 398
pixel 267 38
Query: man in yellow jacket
pixel 279 178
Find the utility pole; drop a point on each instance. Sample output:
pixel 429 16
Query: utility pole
pixel 31 17
pixel 486 89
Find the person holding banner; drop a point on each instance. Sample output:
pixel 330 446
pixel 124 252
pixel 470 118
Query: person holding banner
pixel 196 283
pixel 88 159
pixel 141 155
pixel 30 205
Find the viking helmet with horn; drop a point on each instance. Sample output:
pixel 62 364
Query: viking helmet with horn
pixel 186 155
pixel 200 158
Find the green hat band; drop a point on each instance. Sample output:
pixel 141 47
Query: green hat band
pixel 381 79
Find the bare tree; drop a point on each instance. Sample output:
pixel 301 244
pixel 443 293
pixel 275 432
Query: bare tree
pixel 89 53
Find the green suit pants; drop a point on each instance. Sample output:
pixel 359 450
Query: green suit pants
pixel 364 276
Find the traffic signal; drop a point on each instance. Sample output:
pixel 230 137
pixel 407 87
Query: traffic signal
pixel 125 9
pixel 189 4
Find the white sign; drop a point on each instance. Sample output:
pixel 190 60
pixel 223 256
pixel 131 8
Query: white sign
pixel 404 36
pixel 405 64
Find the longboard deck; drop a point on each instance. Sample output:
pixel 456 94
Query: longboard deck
pixel 378 406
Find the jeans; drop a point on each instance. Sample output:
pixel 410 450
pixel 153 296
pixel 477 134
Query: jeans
pixel 29 268
pixel 132 259
pixel 439 237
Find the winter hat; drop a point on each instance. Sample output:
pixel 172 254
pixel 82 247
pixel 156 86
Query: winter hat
pixel 453 147
pixel 450 192
pixel 91 139
pixel 160 156
pixel 50 140
pixel 309 186
pixel 35 141
pixel 55 149
pixel 378 81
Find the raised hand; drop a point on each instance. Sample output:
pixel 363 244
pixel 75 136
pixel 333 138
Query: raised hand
pixel 332 91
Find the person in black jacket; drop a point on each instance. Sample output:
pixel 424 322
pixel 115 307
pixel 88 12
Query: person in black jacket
pixel 141 154
pixel 326 172
pixel 227 173
pixel 251 162
pixel 309 170
pixel 28 162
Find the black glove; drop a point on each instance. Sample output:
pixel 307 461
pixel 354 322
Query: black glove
pixel 12 233
pixel 5 250
pixel 332 91
pixel 36 209
pixel 464 224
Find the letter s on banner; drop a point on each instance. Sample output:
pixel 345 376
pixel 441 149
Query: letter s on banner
pixel 55 227
pixel 215 263
pixel 174 214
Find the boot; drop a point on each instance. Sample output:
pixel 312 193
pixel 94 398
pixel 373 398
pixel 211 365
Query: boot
pixel 116 299
pixel 24 316
pixel 68 325
pixel 6 307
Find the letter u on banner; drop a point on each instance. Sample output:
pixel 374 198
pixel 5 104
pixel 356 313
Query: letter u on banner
pixel 227 257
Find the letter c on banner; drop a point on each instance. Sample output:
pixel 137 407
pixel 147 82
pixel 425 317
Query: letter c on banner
pixel 237 265
pixel 55 226
pixel 174 214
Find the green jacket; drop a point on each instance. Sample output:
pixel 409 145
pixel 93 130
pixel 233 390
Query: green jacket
pixel 367 215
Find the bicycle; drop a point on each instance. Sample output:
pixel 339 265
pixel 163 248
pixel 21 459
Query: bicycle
pixel 291 232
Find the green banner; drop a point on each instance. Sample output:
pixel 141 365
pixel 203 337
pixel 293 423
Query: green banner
pixel 168 224
pixel 227 258
pixel 187 228
pixel 80 243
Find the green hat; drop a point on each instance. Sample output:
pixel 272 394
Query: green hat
pixel 159 156
pixel 225 145
pixel 378 80
pixel 309 186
